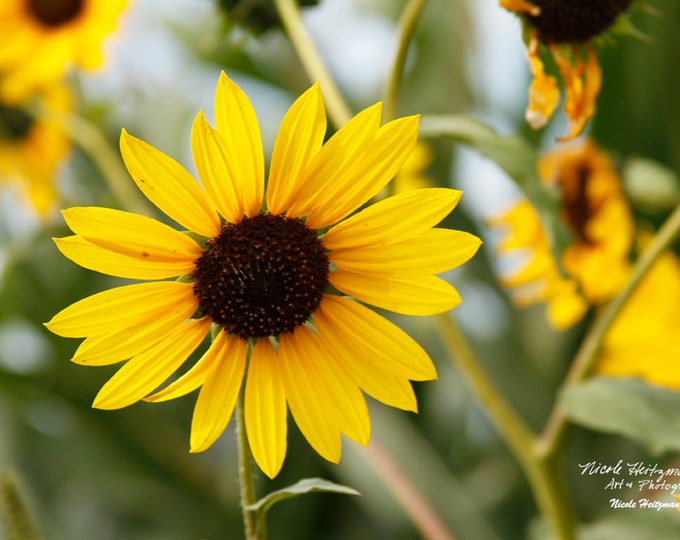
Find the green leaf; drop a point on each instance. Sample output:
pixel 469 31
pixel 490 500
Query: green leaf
pixel 649 415
pixel 306 485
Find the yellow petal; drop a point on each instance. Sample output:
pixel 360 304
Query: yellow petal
pixel 421 296
pixel 343 149
pixel 121 308
pixel 431 252
pixel 120 345
pixel 382 343
pixel 132 235
pixel 237 124
pixel 100 259
pixel 394 219
pixel 148 370
pixel 300 137
pixel 219 173
pixel 215 403
pixel 308 394
pixel 265 409
pixel 366 175
pixel 521 6
pixel 169 186
pixel 544 94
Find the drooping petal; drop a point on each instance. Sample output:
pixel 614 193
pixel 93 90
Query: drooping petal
pixel 146 371
pixel 119 345
pixel 169 186
pixel 544 94
pixel 420 296
pixel 385 344
pixel 132 235
pixel 431 252
pixel 366 175
pixel 100 259
pixel 215 403
pixel 327 167
pixel 300 138
pixel 521 6
pixel 393 219
pixel 121 308
pixel 237 124
pixel 265 409
pixel 219 172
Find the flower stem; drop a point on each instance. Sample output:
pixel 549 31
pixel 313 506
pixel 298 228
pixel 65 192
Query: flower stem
pixel 338 110
pixel 92 141
pixel 245 474
pixel 407 25
pixel 588 352
pixel 541 471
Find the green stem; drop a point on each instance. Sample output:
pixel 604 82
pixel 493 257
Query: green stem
pixel 541 471
pixel 338 110
pixel 407 25
pixel 245 474
pixel 588 352
pixel 93 142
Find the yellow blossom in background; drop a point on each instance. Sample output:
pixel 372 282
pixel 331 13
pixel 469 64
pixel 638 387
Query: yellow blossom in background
pixel 279 274
pixel 412 174
pixel 41 39
pixel 32 147
pixel 567 30
pixel 595 265
pixel 644 340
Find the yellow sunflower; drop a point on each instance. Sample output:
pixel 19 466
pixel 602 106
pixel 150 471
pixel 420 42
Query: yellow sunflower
pixel 644 340
pixel 567 29
pixel 31 148
pixel 594 208
pixel 42 38
pixel 280 274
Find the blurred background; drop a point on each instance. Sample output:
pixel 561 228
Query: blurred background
pixel 127 474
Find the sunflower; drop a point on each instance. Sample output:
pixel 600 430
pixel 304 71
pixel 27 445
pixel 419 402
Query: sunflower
pixel 594 266
pixel 32 147
pixel 42 38
pixel 281 275
pixel 567 29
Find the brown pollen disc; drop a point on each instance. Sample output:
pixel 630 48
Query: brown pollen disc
pixel 574 21
pixel 55 12
pixel 261 277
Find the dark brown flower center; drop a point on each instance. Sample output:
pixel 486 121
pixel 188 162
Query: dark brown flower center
pixel 573 21
pixel 55 12
pixel 15 123
pixel 577 206
pixel 261 277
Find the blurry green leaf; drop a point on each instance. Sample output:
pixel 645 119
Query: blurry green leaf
pixel 306 485
pixel 639 525
pixel 516 156
pixel 651 184
pixel 630 407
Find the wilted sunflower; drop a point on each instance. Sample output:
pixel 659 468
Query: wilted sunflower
pixel 594 208
pixel 42 38
pixel 272 272
pixel 567 28
pixel 32 147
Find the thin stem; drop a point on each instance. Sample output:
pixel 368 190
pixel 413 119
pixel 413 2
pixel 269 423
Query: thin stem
pixel 407 25
pixel 338 110
pixel 93 142
pixel 541 472
pixel 588 352
pixel 245 472
pixel 407 494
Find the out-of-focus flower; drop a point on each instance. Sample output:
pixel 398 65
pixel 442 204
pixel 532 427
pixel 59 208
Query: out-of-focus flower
pixel 412 174
pixel 32 147
pixel 258 15
pixel 567 29
pixel 593 206
pixel 644 340
pixel 42 38
pixel 271 271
